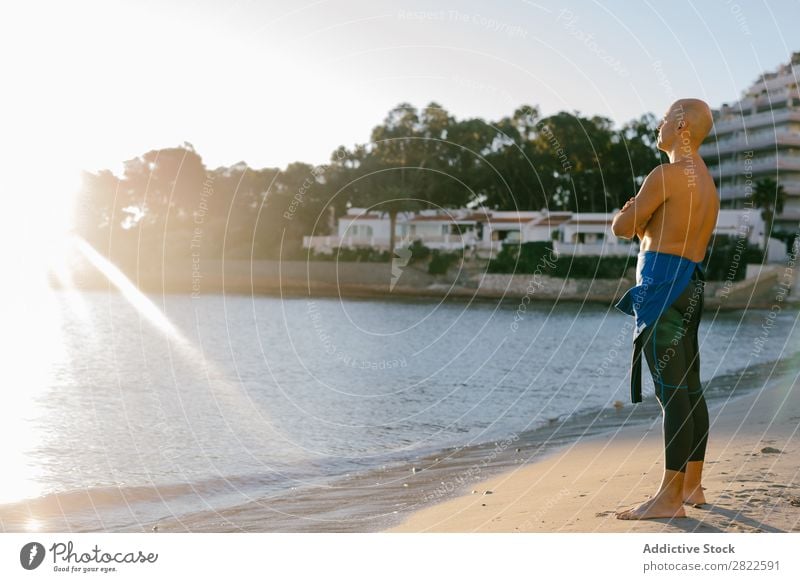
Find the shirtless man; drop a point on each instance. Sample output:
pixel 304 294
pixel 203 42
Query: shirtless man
pixel 674 215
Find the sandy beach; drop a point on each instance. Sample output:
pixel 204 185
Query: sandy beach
pixel 751 479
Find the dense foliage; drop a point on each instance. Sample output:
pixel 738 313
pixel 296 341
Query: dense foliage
pixel 168 205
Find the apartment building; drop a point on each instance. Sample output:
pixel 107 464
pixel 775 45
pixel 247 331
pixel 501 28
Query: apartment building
pixel 759 137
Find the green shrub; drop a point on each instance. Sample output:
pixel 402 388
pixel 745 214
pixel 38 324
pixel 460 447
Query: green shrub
pixel 727 258
pixel 419 252
pixel 441 261
pixel 537 257
pixel 522 258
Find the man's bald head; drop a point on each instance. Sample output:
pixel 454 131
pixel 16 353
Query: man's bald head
pixel 698 117
pixel 687 122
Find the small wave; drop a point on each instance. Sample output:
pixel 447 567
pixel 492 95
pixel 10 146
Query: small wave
pixel 66 502
pixel 64 505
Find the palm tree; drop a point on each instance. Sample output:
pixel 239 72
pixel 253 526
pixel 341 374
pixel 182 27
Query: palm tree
pixel 770 197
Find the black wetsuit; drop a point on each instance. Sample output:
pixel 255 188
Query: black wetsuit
pixel 671 349
pixel 667 303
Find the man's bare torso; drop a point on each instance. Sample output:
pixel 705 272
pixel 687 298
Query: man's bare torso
pixel 684 223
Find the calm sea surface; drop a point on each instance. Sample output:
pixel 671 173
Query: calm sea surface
pixel 159 407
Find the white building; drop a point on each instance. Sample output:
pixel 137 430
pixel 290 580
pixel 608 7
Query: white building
pixel 589 233
pixel 484 232
pixel 546 226
pixel 358 228
pixel 746 223
pixel 759 135
pixel 446 230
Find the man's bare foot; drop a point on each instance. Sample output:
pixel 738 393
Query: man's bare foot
pixel 694 496
pixel 654 508
pixel 692 490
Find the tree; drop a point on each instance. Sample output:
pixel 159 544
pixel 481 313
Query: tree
pixel 521 176
pixel 409 164
pixel 160 181
pixel 581 148
pixel 633 155
pixel 397 148
pixel 770 197
pixel 415 159
pixel 235 209
pixel 95 207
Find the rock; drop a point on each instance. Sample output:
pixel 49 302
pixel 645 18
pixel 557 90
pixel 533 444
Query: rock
pixel 770 450
pixel 155 527
pixel 488 492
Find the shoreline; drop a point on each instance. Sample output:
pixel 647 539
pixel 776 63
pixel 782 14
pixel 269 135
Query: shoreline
pixel 766 300
pixel 751 482
pixel 380 498
pixel 377 281
pixel 388 497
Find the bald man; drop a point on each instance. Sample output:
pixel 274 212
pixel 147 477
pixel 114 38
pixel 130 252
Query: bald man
pixel 673 215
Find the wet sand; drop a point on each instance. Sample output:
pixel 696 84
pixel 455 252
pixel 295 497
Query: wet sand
pixel 751 478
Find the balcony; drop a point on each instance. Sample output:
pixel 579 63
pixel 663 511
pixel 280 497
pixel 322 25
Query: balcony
pixel 792 188
pixel 767 118
pixel 777 91
pixel 468 238
pixel 784 162
pixel 755 141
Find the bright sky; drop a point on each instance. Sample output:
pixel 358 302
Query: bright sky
pixel 95 83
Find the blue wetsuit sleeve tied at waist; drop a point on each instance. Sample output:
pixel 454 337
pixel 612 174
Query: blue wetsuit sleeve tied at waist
pixel 660 279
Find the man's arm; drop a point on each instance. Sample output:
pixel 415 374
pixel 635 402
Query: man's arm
pixel 633 217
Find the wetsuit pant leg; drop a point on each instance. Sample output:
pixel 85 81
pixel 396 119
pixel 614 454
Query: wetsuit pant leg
pixel 697 400
pixel 671 349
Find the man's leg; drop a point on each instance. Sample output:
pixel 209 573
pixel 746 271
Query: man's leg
pixel 665 349
pixel 692 488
